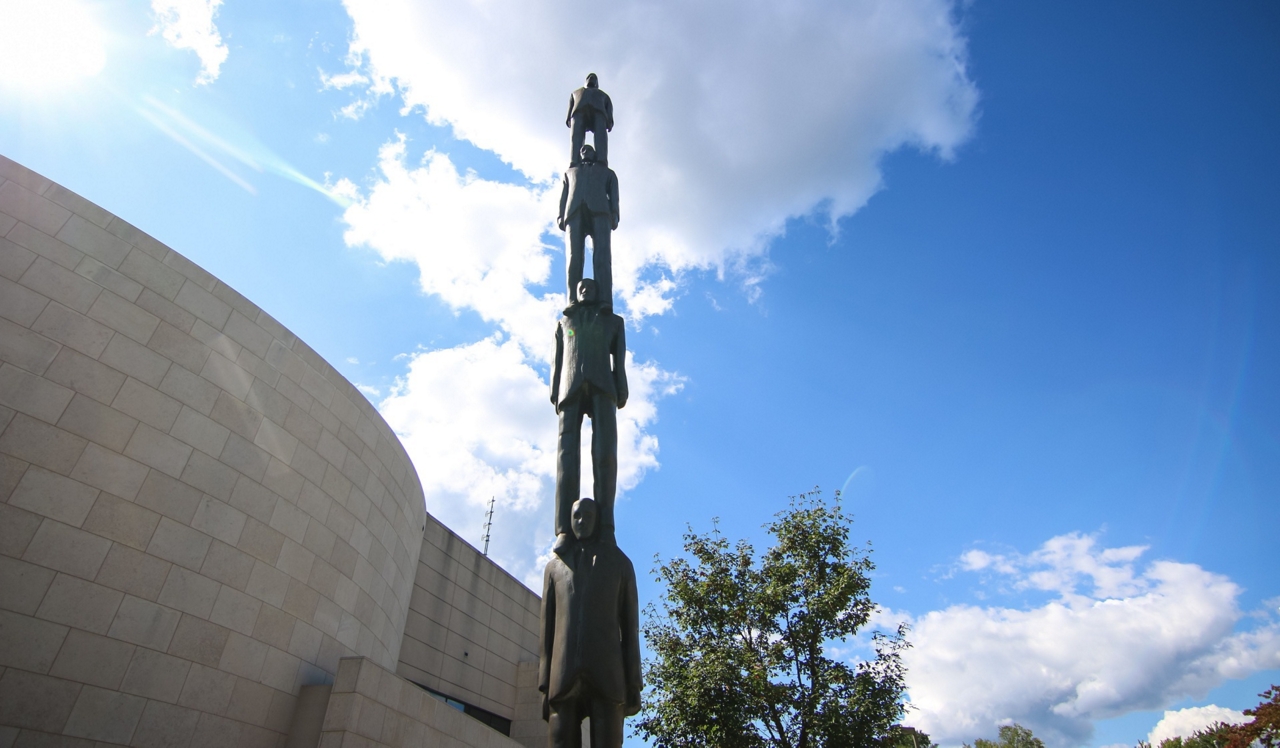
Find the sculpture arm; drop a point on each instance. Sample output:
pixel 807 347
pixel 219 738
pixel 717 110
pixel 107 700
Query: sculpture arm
pixel 555 368
pixel 564 201
pixel 629 621
pixel 568 118
pixel 608 113
pixel 620 361
pixel 546 643
pixel 613 198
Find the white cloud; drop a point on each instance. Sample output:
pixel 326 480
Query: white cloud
pixel 978 560
pixel 340 81
pixel 731 117
pixel 1116 638
pixel 1184 723
pixel 1061 564
pixel 473 417
pixel 188 24
pixel 370 89
pixel 476 242
pixel 477 422
pixel 637 447
pixel 477 418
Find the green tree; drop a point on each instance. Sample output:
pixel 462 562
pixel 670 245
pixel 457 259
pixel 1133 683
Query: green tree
pixel 738 650
pixel 1263 730
pixel 1210 737
pixel 1011 736
pixel 901 736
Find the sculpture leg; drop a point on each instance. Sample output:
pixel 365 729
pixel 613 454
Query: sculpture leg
pixel 564 724
pixel 606 724
pixel 568 461
pixel 579 136
pixel 602 257
pixel 575 250
pixel 600 131
pixel 604 459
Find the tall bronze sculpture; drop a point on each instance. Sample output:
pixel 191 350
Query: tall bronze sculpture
pixel 590 639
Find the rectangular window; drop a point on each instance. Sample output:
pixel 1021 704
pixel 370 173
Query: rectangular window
pixel 501 724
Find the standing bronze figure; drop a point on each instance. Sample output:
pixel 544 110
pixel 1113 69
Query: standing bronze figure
pixel 590 650
pixel 589 378
pixel 589 207
pixel 590 109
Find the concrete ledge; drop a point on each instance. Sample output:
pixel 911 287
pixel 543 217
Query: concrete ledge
pixel 372 706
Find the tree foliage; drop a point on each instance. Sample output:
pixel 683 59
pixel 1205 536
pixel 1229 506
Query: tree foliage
pixel 1263 730
pixel 739 648
pixel 901 736
pixel 1011 736
pixel 1210 737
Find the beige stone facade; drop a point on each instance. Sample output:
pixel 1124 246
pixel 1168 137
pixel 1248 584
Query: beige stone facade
pixel 472 633
pixel 370 706
pixel 199 516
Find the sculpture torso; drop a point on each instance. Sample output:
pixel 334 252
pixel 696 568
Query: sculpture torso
pixel 591 98
pixel 589 335
pixel 592 186
pixel 592 598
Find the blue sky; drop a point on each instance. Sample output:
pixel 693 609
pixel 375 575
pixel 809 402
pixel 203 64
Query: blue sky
pixel 1006 272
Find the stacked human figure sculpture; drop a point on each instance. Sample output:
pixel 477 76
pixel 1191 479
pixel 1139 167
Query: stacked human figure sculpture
pixel 590 648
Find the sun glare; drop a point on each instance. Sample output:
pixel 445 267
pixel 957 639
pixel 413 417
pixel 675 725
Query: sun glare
pixel 48 44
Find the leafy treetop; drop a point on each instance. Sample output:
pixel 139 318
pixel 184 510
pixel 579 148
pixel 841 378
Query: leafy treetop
pixel 1011 736
pixel 1263 730
pixel 739 648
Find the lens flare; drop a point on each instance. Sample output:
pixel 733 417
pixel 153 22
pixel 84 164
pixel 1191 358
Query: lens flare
pixel 48 44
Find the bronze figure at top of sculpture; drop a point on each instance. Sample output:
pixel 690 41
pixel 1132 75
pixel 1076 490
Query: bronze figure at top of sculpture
pixel 589 109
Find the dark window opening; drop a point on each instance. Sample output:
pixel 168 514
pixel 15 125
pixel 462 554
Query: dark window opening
pixel 501 724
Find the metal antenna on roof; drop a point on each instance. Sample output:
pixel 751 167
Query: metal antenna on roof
pixel 488 523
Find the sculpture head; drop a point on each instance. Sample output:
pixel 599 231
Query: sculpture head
pixel 588 153
pixel 592 81
pixel 587 290
pixel 585 514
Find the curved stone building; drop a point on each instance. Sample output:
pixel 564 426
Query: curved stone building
pixel 200 518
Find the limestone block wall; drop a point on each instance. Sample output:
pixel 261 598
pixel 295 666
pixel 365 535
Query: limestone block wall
pixel 198 514
pixel 470 625
pixel 528 727
pixel 370 706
